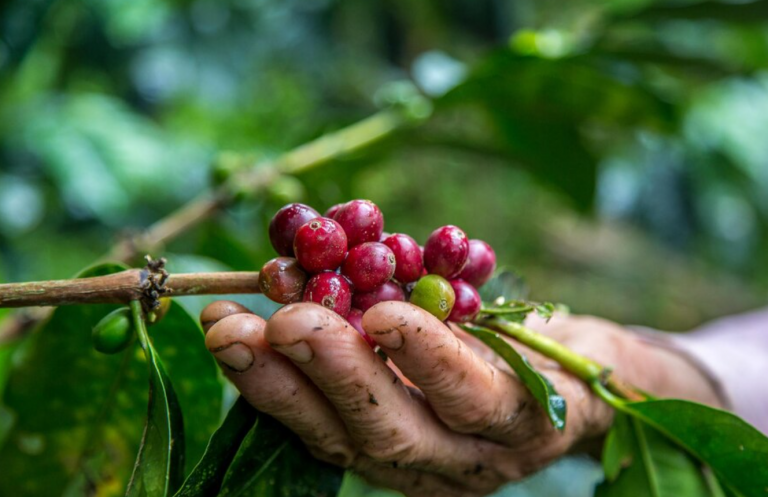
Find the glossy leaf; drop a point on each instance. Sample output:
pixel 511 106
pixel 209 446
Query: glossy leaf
pixel 736 451
pixel 539 386
pixel 208 474
pixel 272 462
pixel 70 407
pixel 657 467
pixel 160 462
pixel 179 341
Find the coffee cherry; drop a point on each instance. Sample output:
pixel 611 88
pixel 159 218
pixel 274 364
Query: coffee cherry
pixel 386 292
pixel 159 312
pixel 446 251
pixel 362 221
pixel 216 311
pixel 369 265
pixel 467 303
pixel 330 290
pixel 114 332
pixel 331 212
pixel 355 318
pixel 480 265
pixel 282 280
pixel 407 256
pixel 435 295
pixel 320 245
pixel 283 227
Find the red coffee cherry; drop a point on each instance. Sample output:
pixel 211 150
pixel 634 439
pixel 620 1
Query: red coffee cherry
pixel 282 280
pixel 446 251
pixel 331 212
pixel 355 318
pixel 387 291
pixel 320 245
pixel 285 223
pixel 409 264
pixel 480 265
pixel 330 290
pixel 467 304
pixel 362 221
pixel 369 265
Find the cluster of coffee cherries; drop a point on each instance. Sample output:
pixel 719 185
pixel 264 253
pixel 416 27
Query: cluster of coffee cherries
pixel 346 262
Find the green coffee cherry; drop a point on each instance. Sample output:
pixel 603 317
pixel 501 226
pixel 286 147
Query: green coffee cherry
pixel 114 332
pixel 159 312
pixel 435 295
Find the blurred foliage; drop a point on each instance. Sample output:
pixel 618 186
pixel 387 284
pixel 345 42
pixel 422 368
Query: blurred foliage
pixel 645 116
pixel 612 151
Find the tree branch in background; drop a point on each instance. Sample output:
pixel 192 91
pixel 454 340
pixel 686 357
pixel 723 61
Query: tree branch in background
pixel 256 179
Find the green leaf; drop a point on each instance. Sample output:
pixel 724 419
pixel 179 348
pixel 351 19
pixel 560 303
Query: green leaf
pixel 207 476
pixel 658 467
pixel 736 451
pixel 272 462
pixel 506 284
pixel 76 414
pixel 160 462
pixel 539 386
pixel 179 341
pixel 618 448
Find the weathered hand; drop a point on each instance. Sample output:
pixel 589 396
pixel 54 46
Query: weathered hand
pixel 444 416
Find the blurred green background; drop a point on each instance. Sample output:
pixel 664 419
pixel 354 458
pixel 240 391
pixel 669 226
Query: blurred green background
pixel 613 152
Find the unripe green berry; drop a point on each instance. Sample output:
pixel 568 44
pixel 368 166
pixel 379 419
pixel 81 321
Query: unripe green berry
pixel 114 332
pixel 435 295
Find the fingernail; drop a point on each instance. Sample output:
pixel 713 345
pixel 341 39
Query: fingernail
pixel 300 352
pixel 390 339
pixel 236 356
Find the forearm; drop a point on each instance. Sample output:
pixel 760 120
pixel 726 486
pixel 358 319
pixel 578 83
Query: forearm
pixel 733 353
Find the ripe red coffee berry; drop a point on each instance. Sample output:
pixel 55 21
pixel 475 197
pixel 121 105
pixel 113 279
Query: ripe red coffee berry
pixel 409 265
pixel 481 264
pixel 362 221
pixel 467 304
pixel 330 290
pixel 285 223
pixel 320 245
pixel 446 251
pixel 355 318
pixel 369 265
pixel 387 291
pixel 282 280
pixel 331 212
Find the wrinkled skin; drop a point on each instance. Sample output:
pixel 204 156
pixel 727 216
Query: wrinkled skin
pixel 444 416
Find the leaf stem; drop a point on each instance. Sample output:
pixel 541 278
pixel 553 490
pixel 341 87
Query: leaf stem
pixel 589 371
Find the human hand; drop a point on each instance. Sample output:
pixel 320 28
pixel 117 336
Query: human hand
pixel 444 416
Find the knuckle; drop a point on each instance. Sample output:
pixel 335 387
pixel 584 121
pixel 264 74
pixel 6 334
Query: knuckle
pixel 474 419
pixel 394 451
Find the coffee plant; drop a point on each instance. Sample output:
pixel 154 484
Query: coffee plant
pixel 117 344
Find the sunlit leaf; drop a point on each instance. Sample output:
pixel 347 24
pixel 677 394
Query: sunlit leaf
pixel 736 451
pixel 539 386
pixel 655 467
